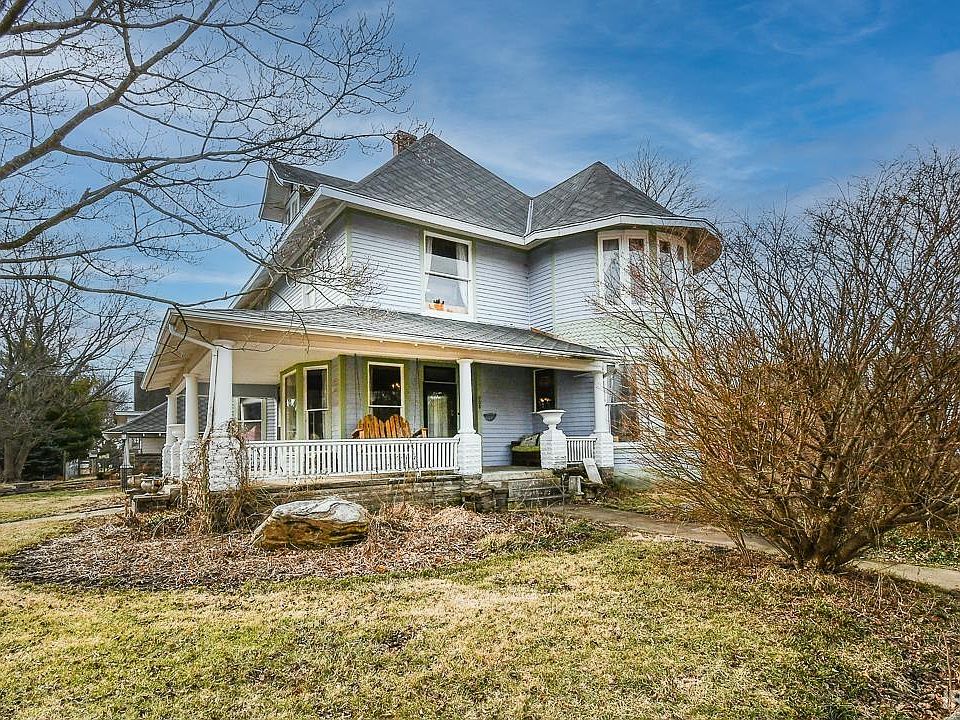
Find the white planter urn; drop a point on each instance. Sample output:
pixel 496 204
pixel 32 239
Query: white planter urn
pixel 551 418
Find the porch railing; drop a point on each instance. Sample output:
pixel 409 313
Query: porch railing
pixel 579 448
pixel 313 458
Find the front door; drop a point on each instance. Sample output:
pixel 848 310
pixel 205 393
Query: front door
pixel 440 400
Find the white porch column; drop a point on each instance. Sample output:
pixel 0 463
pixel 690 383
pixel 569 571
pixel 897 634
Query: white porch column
pixel 222 454
pixel 191 424
pixel 601 422
pixel 469 444
pixel 222 385
pixel 166 467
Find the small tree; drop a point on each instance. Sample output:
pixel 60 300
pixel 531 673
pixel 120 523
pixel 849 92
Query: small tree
pixel 62 357
pixel 805 387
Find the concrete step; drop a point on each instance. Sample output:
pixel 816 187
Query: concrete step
pixel 500 476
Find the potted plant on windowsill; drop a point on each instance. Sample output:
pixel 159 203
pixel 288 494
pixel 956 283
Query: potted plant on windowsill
pixel 437 304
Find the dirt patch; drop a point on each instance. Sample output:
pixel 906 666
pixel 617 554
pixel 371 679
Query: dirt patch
pixel 162 553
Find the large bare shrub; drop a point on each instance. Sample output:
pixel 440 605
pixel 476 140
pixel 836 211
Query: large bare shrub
pixel 805 386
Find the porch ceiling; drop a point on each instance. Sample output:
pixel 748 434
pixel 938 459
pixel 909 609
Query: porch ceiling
pixel 268 342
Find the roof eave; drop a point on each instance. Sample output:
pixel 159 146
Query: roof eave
pixel 399 337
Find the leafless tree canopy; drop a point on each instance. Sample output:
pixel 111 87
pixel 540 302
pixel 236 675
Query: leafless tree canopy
pixel 670 182
pixel 53 337
pixel 806 386
pixel 123 120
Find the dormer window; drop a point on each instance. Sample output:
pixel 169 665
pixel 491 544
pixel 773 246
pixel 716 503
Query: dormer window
pixel 293 205
pixel 631 260
pixel 447 275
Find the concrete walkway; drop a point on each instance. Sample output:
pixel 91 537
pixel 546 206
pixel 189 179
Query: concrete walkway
pixel 943 578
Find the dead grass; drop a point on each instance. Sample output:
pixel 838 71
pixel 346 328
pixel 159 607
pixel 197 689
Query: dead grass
pixel 163 552
pixel 616 629
pixel 28 506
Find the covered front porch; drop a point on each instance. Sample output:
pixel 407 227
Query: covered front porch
pixel 307 402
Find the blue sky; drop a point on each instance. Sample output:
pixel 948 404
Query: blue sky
pixel 774 102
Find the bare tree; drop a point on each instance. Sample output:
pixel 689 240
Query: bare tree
pixel 668 181
pixel 60 351
pixel 124 122
pixel 805 387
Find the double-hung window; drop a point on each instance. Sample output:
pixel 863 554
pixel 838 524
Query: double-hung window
pixel 315 405
pixel 385 390
pixel 251 418
pixel 447 276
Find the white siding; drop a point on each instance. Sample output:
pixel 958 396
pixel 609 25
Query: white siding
pixel 508 392
pixel 287 295
pixel 284 295
pixel 540 281
pixel 575 395
pixel 575 277
pixel 393 250
pixel 501 294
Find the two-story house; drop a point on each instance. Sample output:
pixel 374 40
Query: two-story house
pixel 485 315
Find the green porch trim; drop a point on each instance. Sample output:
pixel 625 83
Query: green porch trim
pixel 301 384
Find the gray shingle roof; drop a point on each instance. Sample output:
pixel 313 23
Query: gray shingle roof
pixel 594 192
pixel 309 178
pixel 432 176
pixel 406 326
pixel 154 420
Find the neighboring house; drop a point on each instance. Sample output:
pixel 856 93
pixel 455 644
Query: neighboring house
pixel 484 316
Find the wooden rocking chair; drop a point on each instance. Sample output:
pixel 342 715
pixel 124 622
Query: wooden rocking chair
pixel 371 427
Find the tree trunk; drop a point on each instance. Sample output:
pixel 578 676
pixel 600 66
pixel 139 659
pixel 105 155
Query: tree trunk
pixel 14 458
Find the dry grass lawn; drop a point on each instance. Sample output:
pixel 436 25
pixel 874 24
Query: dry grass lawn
pixel 620 628
pixel 26 506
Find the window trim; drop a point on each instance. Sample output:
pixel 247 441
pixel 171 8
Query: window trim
pixel 403 388
pixel 282 419
pixel 470 279
pixel 326 397
pixel 263 413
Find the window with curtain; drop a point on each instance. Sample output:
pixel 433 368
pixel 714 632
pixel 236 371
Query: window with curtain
pixel 447 268
pixel 384 390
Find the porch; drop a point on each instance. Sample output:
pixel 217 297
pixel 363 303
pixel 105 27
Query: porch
pixel 304 402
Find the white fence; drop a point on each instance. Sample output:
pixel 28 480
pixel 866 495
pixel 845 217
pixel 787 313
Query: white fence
pixel 315 458
pixel 579 448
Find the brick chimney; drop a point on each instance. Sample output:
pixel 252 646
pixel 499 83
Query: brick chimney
pixel 401 141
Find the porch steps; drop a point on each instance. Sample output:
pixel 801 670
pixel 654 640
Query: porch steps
pixel 531 487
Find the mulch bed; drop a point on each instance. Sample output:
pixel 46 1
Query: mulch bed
pixel 162 553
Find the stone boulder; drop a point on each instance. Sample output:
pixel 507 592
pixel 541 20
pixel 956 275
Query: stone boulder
pixel 312 523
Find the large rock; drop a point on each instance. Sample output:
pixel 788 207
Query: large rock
pixel 313 523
